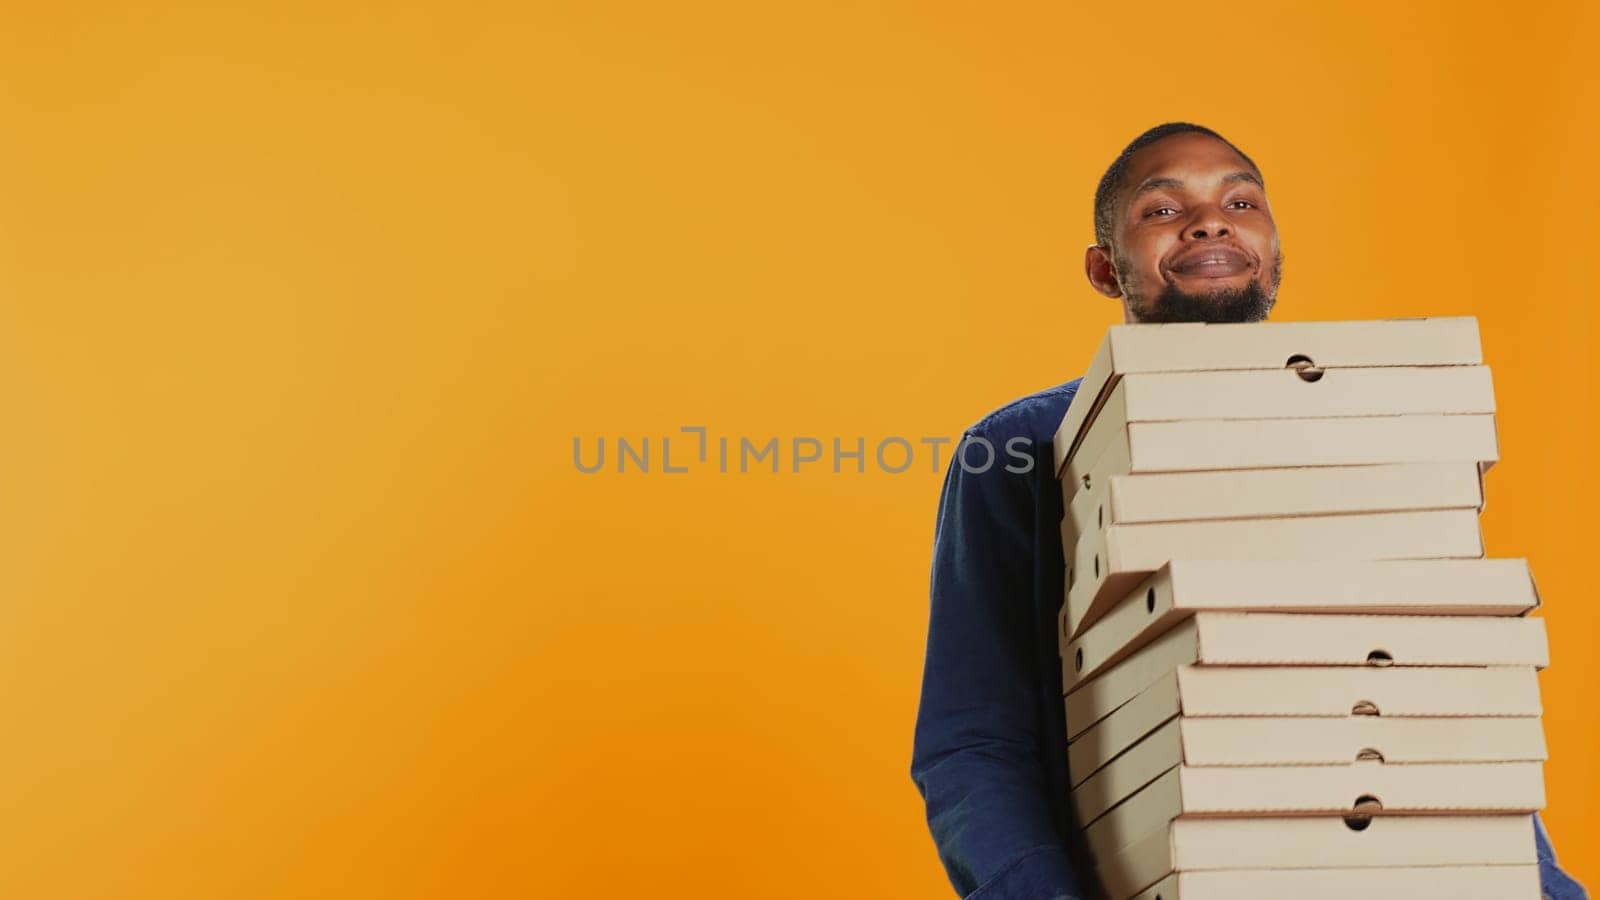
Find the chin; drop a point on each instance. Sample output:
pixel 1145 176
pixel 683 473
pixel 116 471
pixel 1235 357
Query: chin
pixel 1246 301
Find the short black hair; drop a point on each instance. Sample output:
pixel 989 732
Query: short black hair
pixel 1105 196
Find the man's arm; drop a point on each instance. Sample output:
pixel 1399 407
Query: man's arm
pixel 976 751
pixel 1554 883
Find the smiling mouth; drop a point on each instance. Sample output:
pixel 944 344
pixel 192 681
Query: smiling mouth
pixel 1216 263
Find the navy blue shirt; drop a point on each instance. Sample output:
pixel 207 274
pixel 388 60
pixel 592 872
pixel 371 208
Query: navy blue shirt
pixel 990 750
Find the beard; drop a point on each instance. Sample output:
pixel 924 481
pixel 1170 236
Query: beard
pixel 1250 303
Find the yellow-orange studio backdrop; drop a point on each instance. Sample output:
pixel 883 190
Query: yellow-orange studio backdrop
pixel 303 305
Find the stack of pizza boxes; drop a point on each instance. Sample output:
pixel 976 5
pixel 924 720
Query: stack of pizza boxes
pixel 1289 669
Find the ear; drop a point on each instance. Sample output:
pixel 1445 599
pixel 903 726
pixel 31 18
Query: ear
pixel 1101 271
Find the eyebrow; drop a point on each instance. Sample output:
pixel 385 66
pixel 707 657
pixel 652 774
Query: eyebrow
pixel 1156 183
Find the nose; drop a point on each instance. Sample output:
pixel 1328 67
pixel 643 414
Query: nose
pixel 1209 223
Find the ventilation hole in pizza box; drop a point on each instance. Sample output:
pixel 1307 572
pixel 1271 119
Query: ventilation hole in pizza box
pixel 1364 708
pixel 1150 600
pixel 1304 367
pixel 1077 659
pixel 1070 579
pixel 1380 658
pixel 1086 481
pixel 1097 565
pixel 1361 812
pixel 1100 517
pixel 1357 823
pixel 1367 754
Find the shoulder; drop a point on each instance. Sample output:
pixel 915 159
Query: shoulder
pixel 1035 416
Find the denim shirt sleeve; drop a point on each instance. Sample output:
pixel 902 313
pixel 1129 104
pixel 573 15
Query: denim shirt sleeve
pixel 976 751
pixel 1554 883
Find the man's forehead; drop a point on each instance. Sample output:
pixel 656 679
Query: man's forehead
pixel 1181 158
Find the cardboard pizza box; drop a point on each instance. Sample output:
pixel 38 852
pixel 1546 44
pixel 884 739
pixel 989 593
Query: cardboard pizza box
pixel 1285 744
pixel 1284 741
pixel 1303 691
pixel 1218 639
pixel 1270 493
pixel 1284 394
pixel 1453 587
pixel 1193 347
pixel 1237 740
pixel 1196 445
pixel 1362 793
pixel 1104 565
pixel 1253 853
pixel 1408 715
pixel 1474 882
pixel 1406 639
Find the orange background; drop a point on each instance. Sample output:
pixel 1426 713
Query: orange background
pixel 302 306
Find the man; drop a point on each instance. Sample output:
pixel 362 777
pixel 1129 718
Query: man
pixel 1183 233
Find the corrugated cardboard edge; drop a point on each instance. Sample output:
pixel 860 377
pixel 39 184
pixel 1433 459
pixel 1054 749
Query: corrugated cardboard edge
pixel 1103 741
pixel 1110 499
pixel 1096 698
pixel 1326 740
pixel 1321 843
pixel 1282 393
pixel 1092 391
pixel 1495 882
pixel 1338 691
pixel 1499 585
pixel 1320 791
pixel 1329 841
pixel 1131 770
pixel 1458 332
pixel 1236 784
pixel 1330 639
pixel 1415 788
pixel 1113 561
pixel 1106 740
pixel 1192 445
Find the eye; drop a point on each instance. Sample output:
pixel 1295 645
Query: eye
pixel 1241 204
pixel 1162 211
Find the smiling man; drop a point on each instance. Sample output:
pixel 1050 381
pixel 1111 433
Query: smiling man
pixel 1183 233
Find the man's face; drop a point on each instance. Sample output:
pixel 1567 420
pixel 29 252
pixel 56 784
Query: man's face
pixel 1193 238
